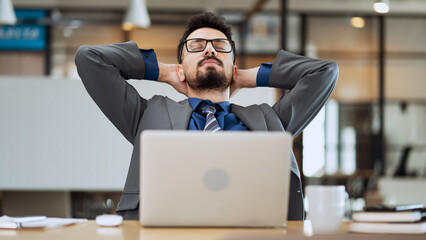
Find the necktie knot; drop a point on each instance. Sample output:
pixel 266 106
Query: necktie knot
pixel 208 109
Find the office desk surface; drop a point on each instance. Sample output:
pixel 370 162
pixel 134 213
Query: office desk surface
pixel 130 230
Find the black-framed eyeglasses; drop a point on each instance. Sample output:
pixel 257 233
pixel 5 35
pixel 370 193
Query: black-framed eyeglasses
pixel 222 45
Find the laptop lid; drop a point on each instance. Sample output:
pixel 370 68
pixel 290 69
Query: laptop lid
pixel 224 179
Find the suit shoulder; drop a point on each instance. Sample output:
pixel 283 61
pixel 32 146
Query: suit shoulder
pixel 164 99
pixel 263 107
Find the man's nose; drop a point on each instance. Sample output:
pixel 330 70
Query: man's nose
pixel 210 51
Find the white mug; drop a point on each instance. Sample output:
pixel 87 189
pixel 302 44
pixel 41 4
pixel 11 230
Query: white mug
pixel 326 208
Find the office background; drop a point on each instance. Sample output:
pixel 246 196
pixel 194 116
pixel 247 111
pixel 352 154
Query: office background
pixel 60 156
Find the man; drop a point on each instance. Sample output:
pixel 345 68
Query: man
pixel 206 74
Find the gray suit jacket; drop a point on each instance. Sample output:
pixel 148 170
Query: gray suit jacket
pixel 104 69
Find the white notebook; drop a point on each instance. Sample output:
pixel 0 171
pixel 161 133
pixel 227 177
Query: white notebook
pixel 406 216
pixel 39 222
pixel 395 228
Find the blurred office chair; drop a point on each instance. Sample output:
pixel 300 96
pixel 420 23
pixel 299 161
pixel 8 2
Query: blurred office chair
pixel 402 168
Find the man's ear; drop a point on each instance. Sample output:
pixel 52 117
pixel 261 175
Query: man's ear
pixel 180 73
pixel 234 72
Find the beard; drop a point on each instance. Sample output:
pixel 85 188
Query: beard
pixel 210 80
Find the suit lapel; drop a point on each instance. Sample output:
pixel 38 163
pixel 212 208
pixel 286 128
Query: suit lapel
pixel 251 116
pixel 179 113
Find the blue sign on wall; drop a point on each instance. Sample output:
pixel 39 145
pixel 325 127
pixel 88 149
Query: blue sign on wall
pixel 24 36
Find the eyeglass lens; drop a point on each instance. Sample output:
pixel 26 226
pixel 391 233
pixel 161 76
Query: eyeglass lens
pixel 198 45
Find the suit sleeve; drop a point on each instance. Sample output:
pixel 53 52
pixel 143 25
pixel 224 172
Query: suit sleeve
pixel 104 71
pixel 310 81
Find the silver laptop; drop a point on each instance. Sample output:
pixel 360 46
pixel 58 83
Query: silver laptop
pixel 222 179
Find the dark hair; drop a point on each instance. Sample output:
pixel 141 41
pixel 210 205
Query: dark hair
pixel 203 20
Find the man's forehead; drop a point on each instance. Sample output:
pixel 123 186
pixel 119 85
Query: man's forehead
pixel 207 33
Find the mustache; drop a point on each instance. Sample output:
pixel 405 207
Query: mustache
pixel 210 58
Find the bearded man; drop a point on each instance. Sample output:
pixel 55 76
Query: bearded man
pixel 208 76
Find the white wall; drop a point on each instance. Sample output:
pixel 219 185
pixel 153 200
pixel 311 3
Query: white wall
pixel 54 137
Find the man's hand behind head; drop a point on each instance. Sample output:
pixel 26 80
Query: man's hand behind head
pixel 168 74
pixel 243 78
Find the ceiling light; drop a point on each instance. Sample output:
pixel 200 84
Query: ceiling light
pixel 7 14
pixel 357 22
pixel 136 16
pixel 381 6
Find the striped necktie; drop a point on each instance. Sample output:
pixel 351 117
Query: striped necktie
pixel 211 122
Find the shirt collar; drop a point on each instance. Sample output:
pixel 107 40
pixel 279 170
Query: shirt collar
pixel 226 105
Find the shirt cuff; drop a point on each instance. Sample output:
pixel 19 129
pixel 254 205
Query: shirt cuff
pixel 151 64
pixel 262 78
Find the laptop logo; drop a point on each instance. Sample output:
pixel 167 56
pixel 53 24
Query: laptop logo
pixel 216 179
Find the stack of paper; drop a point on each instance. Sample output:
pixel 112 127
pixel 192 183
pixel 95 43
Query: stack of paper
pixel 41 222
pixel 391 221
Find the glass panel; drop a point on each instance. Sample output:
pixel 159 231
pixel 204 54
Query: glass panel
pixel 405 58
pixel 331 137
pixel 348 153
pixel 67 39
pixel 313 146
pixel 336 33
pixel 341 139
pixel 405 128
pixel 405 34
pixel 354 50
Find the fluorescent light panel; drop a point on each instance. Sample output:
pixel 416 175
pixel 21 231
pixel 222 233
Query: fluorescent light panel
pixel 7 14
